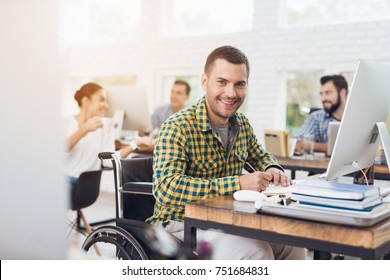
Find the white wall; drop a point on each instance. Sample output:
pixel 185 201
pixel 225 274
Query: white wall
pixel 271 50
pixel 32 187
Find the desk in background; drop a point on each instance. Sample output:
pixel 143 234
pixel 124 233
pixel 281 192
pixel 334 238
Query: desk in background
pixel 143 152
pixel 240 218
pixel 319 165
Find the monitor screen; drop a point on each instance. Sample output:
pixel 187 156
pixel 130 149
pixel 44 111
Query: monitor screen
pixel 132 101
pixel 368 102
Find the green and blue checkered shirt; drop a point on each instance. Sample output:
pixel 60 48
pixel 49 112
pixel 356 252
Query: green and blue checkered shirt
pixel 190 162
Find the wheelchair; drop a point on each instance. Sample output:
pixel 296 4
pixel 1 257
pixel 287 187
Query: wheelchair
pixel 132 238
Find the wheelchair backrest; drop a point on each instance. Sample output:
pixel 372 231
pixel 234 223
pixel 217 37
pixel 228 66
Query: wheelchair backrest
pixel 138 201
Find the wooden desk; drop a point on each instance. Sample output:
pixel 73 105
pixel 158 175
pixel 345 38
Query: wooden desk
pixel 240 218
pixel 320 164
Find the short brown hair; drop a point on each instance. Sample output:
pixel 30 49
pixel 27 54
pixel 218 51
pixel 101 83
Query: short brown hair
pixel 183 83
pixel 228 53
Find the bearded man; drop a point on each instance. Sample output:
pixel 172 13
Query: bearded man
pixel 333 92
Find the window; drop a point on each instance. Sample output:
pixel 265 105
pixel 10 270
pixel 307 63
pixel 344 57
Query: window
pixel 192 80
pixel 302 96
pixel 92 21
pixel 203 17
pixel 320 12
pixel 303 89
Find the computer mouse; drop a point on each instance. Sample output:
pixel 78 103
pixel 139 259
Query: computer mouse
pixel 248 195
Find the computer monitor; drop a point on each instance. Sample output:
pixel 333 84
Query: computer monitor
pixel 363 126
pixel 128 106
pixel 333 129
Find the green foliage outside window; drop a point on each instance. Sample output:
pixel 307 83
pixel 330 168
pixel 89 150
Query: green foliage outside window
pixel 302 95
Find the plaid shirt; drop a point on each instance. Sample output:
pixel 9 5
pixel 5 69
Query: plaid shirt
pixel 190 163
pixel 316 124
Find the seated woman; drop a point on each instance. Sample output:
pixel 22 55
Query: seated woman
pixel 87 135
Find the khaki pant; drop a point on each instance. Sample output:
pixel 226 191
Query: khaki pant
pixel 232 247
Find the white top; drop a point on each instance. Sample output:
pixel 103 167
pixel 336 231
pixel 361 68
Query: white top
pixel 84 155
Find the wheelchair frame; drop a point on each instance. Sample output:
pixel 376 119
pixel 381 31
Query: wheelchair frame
pixel 128 239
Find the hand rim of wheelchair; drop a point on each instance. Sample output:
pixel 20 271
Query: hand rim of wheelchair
pixel 110 234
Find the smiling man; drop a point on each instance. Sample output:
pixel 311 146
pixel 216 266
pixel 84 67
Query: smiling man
pixel 333 93
pixel 201 152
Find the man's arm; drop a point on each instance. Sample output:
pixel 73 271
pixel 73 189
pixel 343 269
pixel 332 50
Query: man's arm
pixel 171 184
pixel 318 147
pixel 309 127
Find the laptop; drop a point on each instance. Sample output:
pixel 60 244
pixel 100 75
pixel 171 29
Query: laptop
pixel 296 211
pixel 333 129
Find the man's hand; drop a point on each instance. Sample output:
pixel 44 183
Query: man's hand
pixel 256 181
pixel 299 147
pixel 279 177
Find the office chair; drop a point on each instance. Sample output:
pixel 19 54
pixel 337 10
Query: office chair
pixel 85 194
pixel 88 179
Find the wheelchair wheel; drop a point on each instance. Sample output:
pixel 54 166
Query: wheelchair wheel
pixel 113 243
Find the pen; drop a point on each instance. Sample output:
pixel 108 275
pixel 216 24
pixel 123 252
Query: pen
pixel 250 166
pixel 254 170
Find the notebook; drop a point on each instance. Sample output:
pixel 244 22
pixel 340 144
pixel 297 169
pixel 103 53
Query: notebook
pixel 333 189
pixel 273 189
pixel 379 205
pixel 334 202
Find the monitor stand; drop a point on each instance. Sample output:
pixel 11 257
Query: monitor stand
pixel 385 138
pixel 380 129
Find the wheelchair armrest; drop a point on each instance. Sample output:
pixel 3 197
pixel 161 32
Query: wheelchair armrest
pixel 137 188
pixel 105 155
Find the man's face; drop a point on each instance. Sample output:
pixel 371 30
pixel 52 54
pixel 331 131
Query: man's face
pixel 179 96
pixel 225 86
pixel 330 97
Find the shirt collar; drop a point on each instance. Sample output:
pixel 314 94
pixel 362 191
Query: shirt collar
pixel 326 115
pixel 204 122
